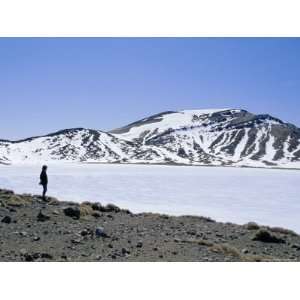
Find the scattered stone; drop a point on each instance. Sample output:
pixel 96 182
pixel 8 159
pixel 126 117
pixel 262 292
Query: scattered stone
pixel 139 245
pixel 142 237
pixel 296 246
pixel 72 212
pixel 6 220
pixel 85 232
pixel 46 256
pixel 23 251
pixel 35 256
pixel 76 241
pixel 42 217
pixel 100 232
pixel 266 237
pixel 28 258
pixel 245 251
pixel 125 251
pixel 191 232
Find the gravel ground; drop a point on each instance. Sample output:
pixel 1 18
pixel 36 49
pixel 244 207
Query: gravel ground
pixel 32 229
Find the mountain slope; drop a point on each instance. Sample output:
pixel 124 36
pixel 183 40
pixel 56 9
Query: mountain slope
pixel 230 137
pixel 67 145
pixel 216 137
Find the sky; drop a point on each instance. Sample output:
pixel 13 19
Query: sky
pixel 48 84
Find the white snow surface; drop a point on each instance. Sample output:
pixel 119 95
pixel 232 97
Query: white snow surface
pixel 237 195
pixel 174 120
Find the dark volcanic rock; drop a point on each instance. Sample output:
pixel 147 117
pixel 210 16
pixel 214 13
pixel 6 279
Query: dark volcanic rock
pixel 97 206
pixel 139 245
pixel 42 217
pixel 6 220
pixel 111 208
pixel 265 236
pixel 73 212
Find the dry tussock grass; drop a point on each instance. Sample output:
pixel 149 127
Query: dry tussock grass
pixel 233 251
pixel 85 210
pixel 16 201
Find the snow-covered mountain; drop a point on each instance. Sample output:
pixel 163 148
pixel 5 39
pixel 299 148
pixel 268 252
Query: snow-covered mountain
pixel 216 137
pixel 199 137
pixel 76 144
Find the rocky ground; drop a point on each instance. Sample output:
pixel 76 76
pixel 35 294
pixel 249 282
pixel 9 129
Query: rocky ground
pixel 35 230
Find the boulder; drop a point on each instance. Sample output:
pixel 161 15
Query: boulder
pixel 72 212
pixel 125 251
pixel 42 217
pixel 97 206
pixel 296 246
pixel 252 226
pixel 6 220
pixel 139 245
pixel 100 232
pixel 265 236
pixel 111 208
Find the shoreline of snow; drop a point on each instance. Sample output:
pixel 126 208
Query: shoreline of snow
pixel 61 163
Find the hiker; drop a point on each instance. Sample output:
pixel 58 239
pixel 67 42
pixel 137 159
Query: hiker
pixel 44 181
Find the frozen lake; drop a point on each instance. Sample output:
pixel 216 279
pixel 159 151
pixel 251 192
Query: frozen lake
pixel 269 197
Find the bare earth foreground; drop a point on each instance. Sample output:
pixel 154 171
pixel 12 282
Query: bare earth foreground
pixel 35 230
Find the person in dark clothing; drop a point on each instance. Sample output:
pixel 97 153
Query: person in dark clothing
pixel 44 181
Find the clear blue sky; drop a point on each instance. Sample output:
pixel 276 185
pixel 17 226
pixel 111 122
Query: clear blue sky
pixel 100 83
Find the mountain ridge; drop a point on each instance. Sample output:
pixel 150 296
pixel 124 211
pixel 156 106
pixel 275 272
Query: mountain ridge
pixel 226 137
